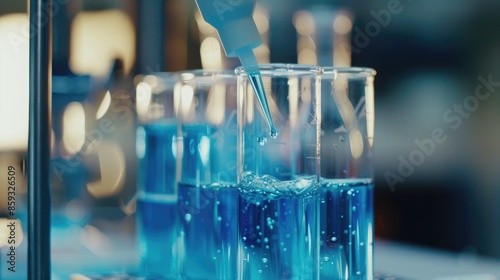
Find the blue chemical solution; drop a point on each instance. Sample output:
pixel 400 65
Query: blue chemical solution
pixel 278 228
pixel 157 212
pixel 346 225
pixel 209 231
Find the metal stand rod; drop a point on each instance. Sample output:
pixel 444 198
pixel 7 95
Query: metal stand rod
pixel 151 36
pixel 40 12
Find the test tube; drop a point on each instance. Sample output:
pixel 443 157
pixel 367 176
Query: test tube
pixel 157 151
pixel 346 192
pixel 278 213
pixel 208 196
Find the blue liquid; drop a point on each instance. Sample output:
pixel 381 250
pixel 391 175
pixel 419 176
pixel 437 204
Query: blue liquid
pixel 278 229
pixel 157 221
pixel 209 216
pixel 156 148
pixel 346 225
pixel 157 211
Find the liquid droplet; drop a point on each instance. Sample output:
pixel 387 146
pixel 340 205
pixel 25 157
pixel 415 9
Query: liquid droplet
pixel 342 139
pixel 262 140
pixel 187 217
pixel 274 133
pixel 219 219
pixel 264 260
pixel 334 238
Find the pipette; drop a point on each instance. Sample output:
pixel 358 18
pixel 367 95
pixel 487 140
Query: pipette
pixel 239 36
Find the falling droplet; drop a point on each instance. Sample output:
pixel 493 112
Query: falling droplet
pixel 274 133
pixel 187 217
pixel 264 260
pixel 262 140
pixel 342 139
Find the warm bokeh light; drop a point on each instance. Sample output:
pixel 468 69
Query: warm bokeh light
pixel 112 165
pixel 344 105
pixel 261 18
pixel 129 207
pixel 14 82
pixel 79 277
pixel 307 56
pixel 211 54
pixel 143 99
pixel 249 102
pixel 304 23
pixel 183 101
pixel 204 150
pixel 95 240
pixel 103 108
pixel 73 127
pixel 216 104
pixel 75 210
pixel 342 24
pixel 293 101
pixel 370 112
pixel 97 38
pixel 356 143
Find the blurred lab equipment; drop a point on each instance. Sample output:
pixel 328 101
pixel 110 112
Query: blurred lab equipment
pixel 323 36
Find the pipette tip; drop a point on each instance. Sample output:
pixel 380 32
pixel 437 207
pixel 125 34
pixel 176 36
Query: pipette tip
pixel 274 133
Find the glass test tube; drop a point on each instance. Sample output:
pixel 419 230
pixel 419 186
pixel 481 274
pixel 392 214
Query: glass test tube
pixel 346 193
pixel 157 150
pixel 278 223
pixel 208 197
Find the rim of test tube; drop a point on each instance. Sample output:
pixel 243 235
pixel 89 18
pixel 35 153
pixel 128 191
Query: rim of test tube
pixel 187 74
pixel 350 71
pixel 282 69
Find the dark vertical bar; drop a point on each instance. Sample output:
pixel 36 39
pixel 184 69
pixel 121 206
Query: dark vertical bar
pixel 150 35
pixel 61 24
pixel 40 12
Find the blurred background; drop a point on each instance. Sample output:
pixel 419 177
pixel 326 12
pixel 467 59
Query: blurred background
pixel 438 64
